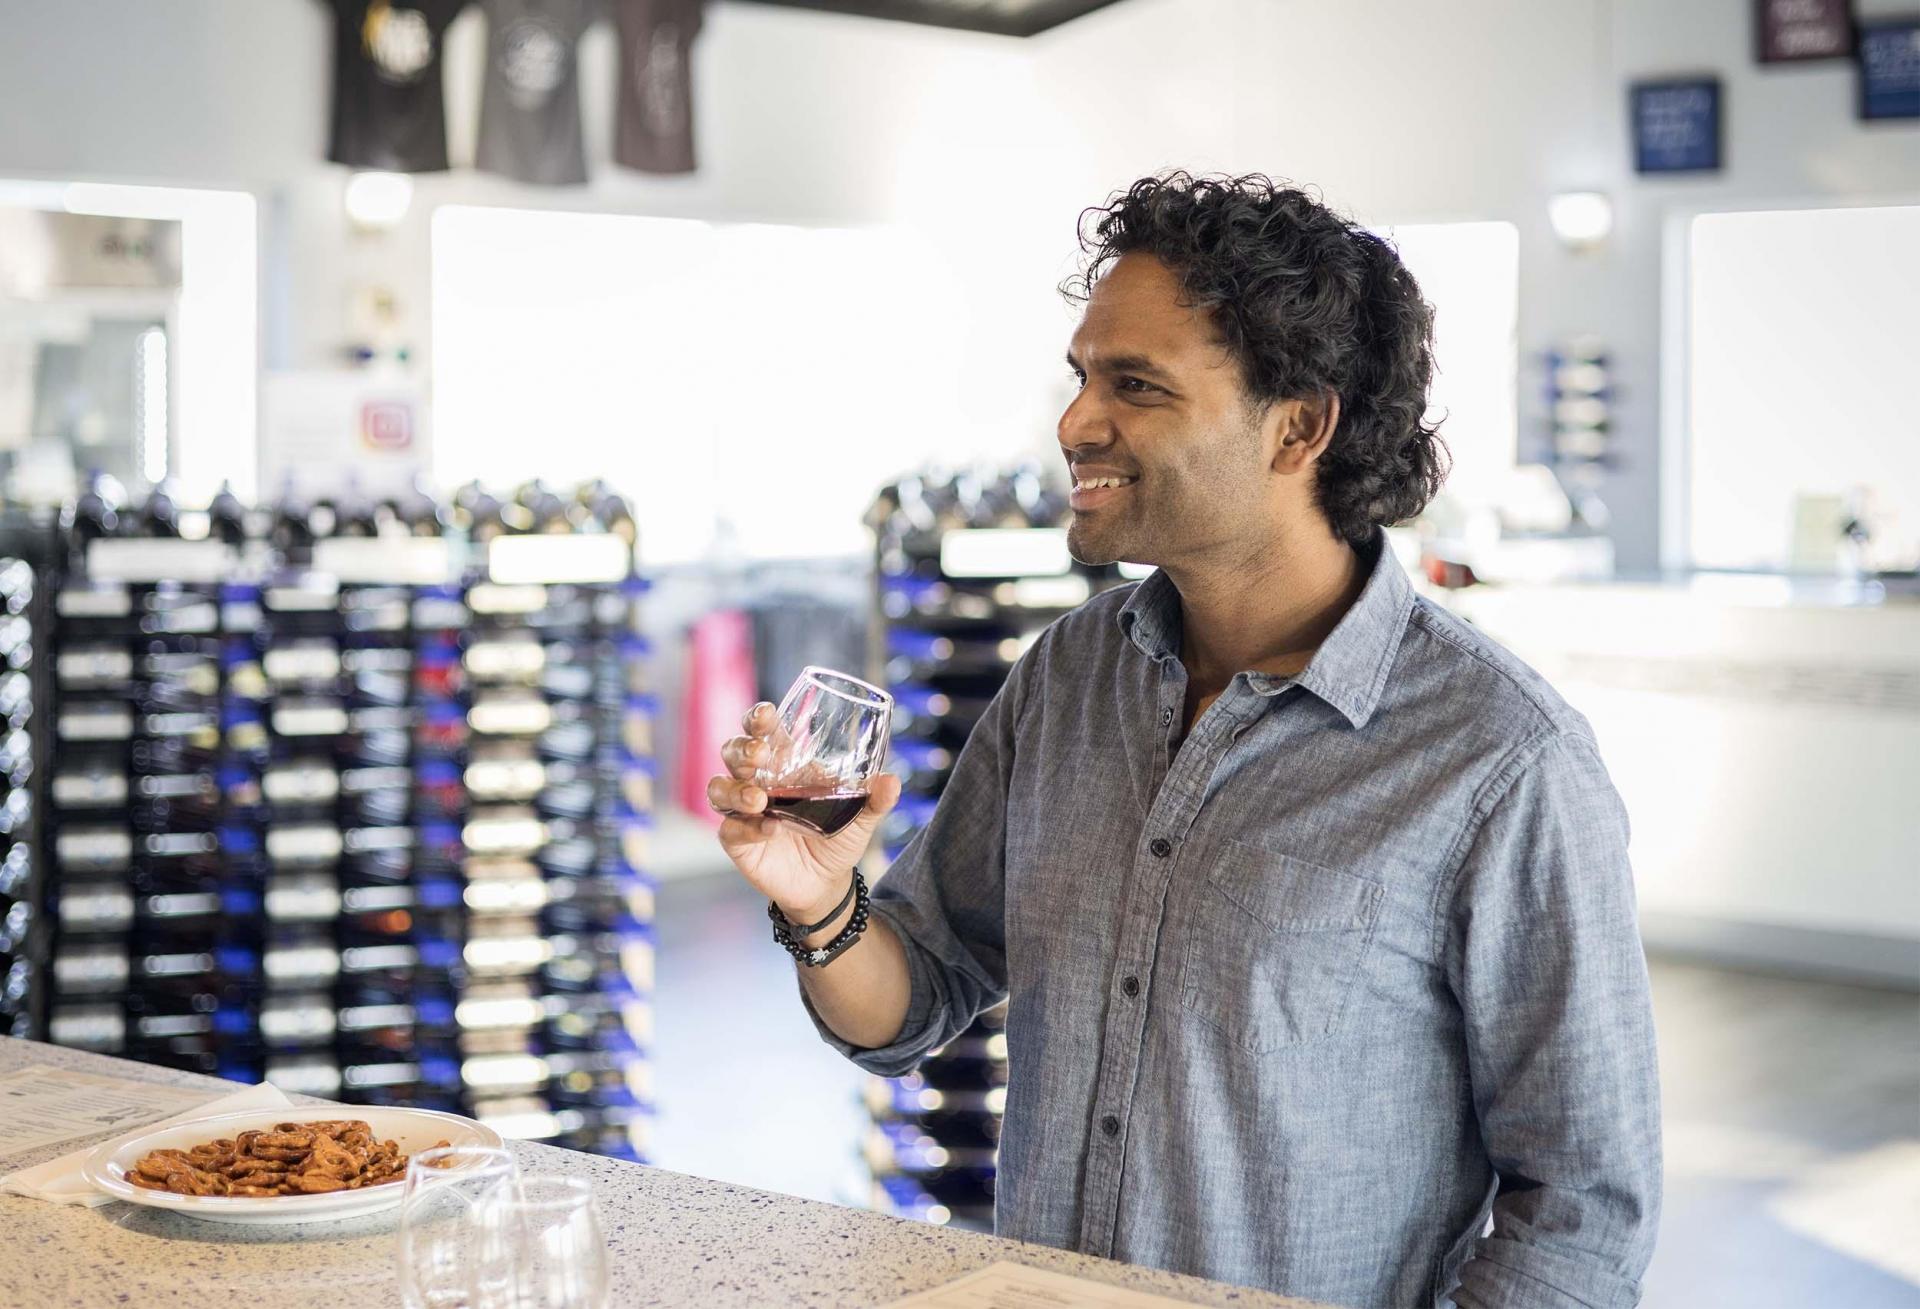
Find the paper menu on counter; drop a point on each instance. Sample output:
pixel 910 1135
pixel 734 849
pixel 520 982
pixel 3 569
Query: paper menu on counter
pixel 41 1106
pixel 1015 1286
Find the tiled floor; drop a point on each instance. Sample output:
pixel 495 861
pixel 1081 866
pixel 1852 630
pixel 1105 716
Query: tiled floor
pixel 1792 1112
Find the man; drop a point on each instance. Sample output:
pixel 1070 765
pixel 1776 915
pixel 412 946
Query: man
pixel 1313 904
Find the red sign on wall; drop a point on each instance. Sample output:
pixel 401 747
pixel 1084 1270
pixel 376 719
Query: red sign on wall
pixel 386 425
pixel 1789 31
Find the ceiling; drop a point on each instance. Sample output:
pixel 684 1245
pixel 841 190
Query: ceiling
pixel 1000 17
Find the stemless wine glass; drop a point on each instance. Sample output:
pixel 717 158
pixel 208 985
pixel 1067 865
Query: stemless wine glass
pixel 559 1245
pixel 831 740
pixel 453 1255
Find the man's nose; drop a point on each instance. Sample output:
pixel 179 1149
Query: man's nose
pixel 1083 426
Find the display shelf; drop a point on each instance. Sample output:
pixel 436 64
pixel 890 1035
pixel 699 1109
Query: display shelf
pixel 365 816
pixel 23 931
pixel 969 570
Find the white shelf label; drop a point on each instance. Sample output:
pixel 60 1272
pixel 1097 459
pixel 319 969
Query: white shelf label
pixel 1005 552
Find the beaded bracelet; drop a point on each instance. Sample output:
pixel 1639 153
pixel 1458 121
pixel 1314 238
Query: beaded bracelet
pixel 826 954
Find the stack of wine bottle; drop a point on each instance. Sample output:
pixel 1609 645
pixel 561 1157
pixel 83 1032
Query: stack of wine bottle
pixel 970 568
pixel 353 796
pixel 22 940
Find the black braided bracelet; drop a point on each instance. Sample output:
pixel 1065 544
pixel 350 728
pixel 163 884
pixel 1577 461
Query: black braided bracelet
pixel 797 930
pixel 785 933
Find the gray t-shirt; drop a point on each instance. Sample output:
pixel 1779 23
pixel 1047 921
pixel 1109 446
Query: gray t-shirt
pixel 654 132
pixel 530 109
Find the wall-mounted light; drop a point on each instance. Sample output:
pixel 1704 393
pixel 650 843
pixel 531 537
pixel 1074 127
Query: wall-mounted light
pixel 378 201
pixel 1581 219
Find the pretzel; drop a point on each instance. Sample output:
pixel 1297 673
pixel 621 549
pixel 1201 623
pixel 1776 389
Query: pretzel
pixel 317 1158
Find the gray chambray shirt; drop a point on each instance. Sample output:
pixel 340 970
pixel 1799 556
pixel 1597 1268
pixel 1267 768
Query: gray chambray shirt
pixel 1302 1001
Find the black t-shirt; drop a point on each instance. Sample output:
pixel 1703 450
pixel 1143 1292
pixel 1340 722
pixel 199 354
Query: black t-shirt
pixel 389 101
pixel 654 128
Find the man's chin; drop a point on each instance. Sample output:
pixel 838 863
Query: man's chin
pixel 1089 547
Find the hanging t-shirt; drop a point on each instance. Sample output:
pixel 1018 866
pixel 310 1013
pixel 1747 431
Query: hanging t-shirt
pixel 655 129
pixel 389 102
pixel 530 109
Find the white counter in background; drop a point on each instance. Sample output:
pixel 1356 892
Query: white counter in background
pixel 672 1240
pixel 1765 736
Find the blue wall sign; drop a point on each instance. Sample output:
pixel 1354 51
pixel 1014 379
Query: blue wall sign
pixel 1676 125
pixel 1889 54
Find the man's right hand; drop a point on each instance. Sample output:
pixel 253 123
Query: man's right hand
pixel 804 873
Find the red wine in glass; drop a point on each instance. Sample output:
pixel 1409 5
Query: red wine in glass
pixel 830 741
pixel 826 809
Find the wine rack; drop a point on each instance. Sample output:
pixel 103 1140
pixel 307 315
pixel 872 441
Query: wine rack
pixel 22 931
pixel 357 802
pixel 969 570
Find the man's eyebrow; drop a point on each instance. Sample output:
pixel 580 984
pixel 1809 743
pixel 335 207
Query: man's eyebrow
pixel 1139 364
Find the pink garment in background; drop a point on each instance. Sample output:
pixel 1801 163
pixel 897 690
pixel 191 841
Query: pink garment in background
pixel 720 690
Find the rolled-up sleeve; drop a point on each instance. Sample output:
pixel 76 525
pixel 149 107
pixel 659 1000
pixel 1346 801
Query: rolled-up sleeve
pixel 945 896
pixel 1543 953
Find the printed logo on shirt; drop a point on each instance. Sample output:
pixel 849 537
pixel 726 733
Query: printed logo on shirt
pixel 533 61
pixel 662 78
pixel 398 41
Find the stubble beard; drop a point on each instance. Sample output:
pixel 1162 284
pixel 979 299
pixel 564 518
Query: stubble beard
pixel 1098 544
pixel 1084 544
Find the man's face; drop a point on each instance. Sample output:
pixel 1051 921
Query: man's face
pixel 1161 412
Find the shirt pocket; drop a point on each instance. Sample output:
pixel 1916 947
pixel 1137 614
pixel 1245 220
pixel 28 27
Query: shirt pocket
pixel 1275 947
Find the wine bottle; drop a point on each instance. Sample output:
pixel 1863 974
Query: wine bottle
pixel 160 516
pixel 95 514
pixel 227 517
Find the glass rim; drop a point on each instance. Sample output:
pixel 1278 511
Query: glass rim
pixel 468 1156
pixel 824 678
pixel 572 1190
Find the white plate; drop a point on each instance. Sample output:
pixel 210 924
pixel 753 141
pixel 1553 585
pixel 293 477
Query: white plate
pixel 413 1129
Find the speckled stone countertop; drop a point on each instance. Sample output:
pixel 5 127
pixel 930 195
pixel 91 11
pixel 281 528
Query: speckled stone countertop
pixel 672 1240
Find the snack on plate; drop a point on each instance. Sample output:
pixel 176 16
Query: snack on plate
pixel 292 1159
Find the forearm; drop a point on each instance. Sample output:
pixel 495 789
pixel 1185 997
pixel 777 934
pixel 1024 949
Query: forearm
pixel 862 995
pixel 1546 962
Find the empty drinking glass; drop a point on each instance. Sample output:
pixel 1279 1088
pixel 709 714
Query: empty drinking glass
pixel 452 1254
pixel 559 1246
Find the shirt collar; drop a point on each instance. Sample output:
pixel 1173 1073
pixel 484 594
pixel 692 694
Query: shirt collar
pixel 1348 671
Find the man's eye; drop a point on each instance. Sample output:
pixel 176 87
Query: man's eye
pixel 1079 378
pixel 1136 385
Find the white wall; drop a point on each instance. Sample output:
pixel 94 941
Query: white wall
pixel 1765 746
pixel 1406 112
pixel 1398 111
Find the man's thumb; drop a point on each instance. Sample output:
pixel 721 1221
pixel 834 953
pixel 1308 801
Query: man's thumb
pixel 883 793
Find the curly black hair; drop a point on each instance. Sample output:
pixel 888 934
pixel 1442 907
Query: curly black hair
pixel 1307 301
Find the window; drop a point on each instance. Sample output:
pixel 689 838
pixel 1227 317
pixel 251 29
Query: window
pixel 1803 332
pixel 750 381
pixel 1470 274
pixel 190 347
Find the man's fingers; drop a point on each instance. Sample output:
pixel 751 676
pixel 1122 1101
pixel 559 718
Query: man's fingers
pixel 728 796
pixel 743 754
pixel 883 793
pixel 761 720
pixel 737 832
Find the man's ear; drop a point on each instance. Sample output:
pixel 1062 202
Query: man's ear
pixel 1307 424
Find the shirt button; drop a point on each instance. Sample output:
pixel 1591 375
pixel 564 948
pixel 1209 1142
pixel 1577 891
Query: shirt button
pixel 1166 718
pixel 1131 986
pixel 1161 847
pixel 1110 1125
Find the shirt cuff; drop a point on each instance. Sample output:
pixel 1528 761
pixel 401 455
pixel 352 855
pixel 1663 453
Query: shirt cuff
pixel 1507 1274
pixel 925 1019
